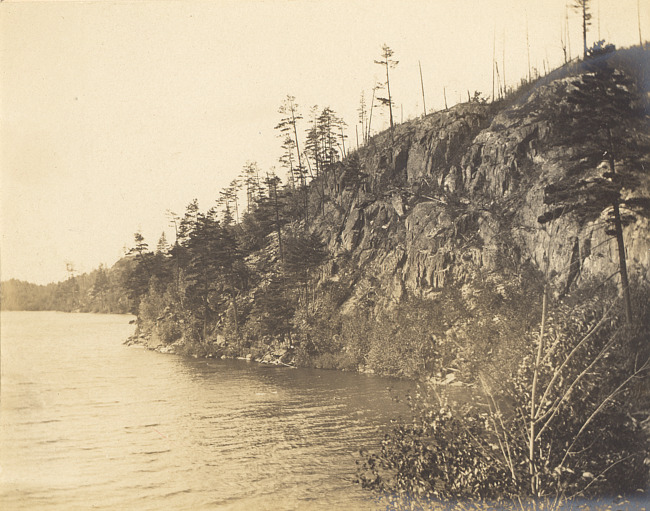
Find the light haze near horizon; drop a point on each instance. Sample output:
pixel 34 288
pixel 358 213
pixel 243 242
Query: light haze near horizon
pixel 112 113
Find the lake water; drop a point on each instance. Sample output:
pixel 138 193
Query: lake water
pixel 88 423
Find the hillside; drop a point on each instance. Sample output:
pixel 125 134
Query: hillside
pixel 426 250
pixel 462 191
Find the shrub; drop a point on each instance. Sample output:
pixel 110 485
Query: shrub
pixel 441 456
pixel 168 331
pixel 574 393
pixel 339 361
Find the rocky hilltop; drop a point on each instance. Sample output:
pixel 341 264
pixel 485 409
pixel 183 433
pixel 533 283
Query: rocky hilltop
pixel 462 190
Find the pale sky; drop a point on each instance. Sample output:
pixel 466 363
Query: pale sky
pixel 113 112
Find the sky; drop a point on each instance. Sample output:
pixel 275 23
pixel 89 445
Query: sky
pixel 114 112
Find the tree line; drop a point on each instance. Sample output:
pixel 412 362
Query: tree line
pixel 102 290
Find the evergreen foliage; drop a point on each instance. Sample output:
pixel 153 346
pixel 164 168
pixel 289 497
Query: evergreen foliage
pixel 600 120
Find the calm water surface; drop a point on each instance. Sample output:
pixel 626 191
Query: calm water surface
pixel 87 423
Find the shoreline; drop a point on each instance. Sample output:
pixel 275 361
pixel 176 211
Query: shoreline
pixel 275 356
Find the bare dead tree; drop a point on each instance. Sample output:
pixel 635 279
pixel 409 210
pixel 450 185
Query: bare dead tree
pixel 424 103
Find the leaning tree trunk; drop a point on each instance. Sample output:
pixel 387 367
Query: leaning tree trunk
pixel 618 229
pixel 625 285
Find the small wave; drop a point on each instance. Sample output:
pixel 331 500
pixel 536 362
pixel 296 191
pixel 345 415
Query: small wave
pixel 174 493
pixel 51 441
pixel 149 453
pixel 102 404
pixel 32 423
pixel 140 426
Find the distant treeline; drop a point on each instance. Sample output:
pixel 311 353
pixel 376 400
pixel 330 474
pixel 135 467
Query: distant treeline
pixel 101 290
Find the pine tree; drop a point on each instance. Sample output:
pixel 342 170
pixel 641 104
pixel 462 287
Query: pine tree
pixel 313 142
pixel 273 309
pixel 377 87
pixel 363 113
pixel 289 124
pixel 229 201
pixel 212 254
pixel 272 182
pixel 137 280
pixel 327 127
pixel 162 247
pixel 286 160
pixel 101 287
pixel 387 62
pixel 302 255
pixel 188 222
pixel 600 121
pixel 250 177
pixel 583 8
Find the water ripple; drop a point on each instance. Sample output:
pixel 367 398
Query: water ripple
pixel 95 424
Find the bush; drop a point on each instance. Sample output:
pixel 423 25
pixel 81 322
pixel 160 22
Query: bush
pixel 441 456
pixel 473 330
pixel 340 361
pixel 168 331
pixel 582 390
pixel 355 330
pixel 400 347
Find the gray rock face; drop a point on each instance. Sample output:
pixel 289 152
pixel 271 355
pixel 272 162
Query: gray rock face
pixel 461 191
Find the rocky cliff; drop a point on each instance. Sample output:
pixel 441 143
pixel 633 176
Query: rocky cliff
pixel 460 191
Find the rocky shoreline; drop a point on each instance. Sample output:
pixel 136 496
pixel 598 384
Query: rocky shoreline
pixel 217 349
pixel 277 356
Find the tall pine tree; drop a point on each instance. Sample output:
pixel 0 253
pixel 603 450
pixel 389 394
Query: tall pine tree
pixel 600 122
